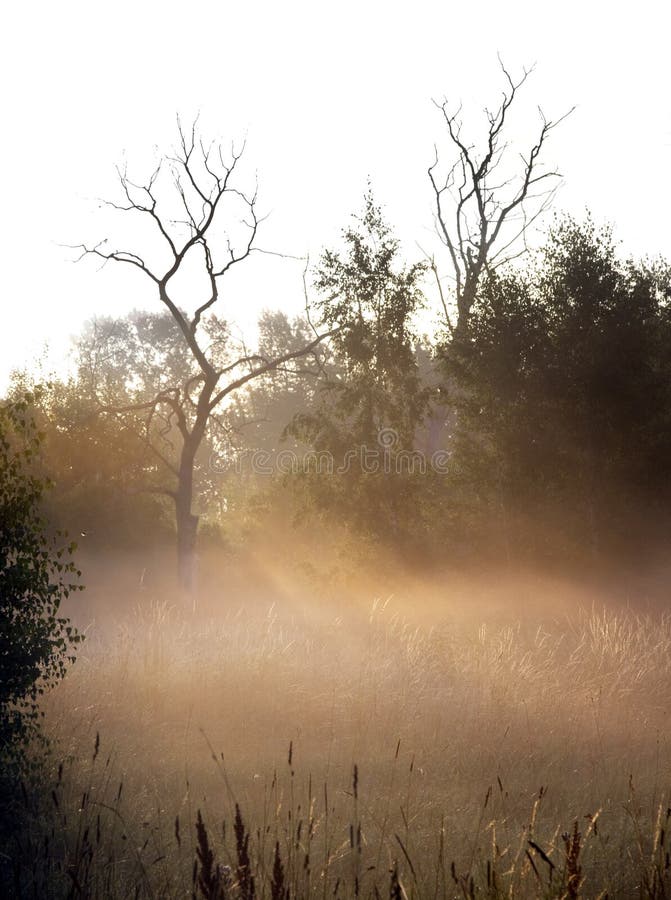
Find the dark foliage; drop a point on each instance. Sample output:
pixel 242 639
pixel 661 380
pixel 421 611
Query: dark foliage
pixel 564 403
pixel 36 574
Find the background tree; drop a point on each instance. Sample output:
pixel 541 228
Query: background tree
pixel 36 575
pixel 99 466
pixel 194 203
pixel 269 403
pixel 371 395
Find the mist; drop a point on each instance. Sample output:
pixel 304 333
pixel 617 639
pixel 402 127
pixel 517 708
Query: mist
pixel 358 594
pixel 476 714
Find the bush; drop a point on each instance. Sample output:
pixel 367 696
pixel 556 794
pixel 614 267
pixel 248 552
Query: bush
pixel 36 574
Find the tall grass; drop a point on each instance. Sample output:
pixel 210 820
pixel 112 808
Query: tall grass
pixel 290 753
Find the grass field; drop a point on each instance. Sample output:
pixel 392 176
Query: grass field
pixel 388 748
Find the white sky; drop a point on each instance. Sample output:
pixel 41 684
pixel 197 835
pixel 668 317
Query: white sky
pixel 327 94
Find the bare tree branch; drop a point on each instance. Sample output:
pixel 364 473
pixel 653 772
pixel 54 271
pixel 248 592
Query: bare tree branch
pixel 269 366
pixel 483 204
pixel 203 188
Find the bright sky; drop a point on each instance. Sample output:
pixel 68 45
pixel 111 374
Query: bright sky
pixel 326 94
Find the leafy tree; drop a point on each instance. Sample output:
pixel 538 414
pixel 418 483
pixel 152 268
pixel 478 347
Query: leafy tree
pixel 609 326
pixel 262 412
pixel 370 302
pixel 98 465
pixel 36 574
pixel 372 396
pixel 564 401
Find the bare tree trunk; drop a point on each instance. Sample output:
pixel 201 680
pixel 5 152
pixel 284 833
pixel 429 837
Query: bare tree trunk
pixel 187 529
pixel 200 187
pixel 186 521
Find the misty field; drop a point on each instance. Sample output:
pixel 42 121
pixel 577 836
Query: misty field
pixel 335 453
pixel 403 747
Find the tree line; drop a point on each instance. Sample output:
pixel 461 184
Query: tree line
pixel 544 386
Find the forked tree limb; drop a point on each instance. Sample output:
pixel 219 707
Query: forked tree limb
pixel 471 212
pixel 202 186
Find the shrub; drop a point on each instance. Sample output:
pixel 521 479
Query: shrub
pixel 36 574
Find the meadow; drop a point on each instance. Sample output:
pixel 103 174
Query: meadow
pixel 455 742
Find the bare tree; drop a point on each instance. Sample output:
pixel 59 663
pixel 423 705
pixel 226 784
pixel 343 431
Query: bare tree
pixel 193 201
pixel 486 200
